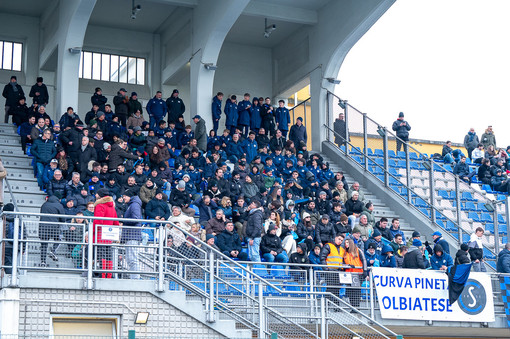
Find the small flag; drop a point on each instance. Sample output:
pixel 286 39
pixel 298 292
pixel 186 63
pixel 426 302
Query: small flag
pixel 457 278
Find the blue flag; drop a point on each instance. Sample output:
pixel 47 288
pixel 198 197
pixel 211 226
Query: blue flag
pixel 457 277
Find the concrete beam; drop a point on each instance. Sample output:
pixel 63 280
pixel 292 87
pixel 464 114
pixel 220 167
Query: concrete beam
pixel 170 70
pixel 281 13
pixel 48 51
pixel 184 3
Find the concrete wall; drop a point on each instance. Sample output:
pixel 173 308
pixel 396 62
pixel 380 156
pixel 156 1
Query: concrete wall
pixel 36 306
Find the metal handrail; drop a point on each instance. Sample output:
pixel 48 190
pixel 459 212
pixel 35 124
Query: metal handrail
pixel 434 163
pixel 223 257
pixel 432 207
pixel 301 103
pixel 12 195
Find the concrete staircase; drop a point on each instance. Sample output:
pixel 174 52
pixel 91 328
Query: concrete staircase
pixel 380 208
pixel 20 173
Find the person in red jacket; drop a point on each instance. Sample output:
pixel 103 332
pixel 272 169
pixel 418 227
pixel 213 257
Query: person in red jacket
pixel 104 207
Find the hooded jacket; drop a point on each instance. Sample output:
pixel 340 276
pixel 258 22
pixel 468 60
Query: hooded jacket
pixel 461 257
pixel 270 242
pixel 385 260
pixel 103 207
pixel 436 262
pixel 296 258
pixel 503 264
pixel 324 232
pixel 157 208
pixel 51 206
pixel 134 211
pixel 415 259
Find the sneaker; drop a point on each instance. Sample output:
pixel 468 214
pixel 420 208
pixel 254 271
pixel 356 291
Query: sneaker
pixel 52 256
pixel 43 264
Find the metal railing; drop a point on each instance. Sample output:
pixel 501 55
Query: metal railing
pixel 174 257
pixel 9 188
pixel 411 175
pixel 295 112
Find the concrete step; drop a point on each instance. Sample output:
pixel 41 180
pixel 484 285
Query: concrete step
pixel 24 186
pixel 27 171
pixel 30 196
pixel 17 176
pixel 17 162
pixel 34 201
pixel 10 141
pixel 15 151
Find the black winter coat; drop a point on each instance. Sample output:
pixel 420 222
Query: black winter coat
pixel 254 224
pixel 43 97
pixel 51 206
pixel 57 188
pixel 352 206
pixel 228 242
pixel 324 232
pixel 118 155
pixel 84 157
pixel 178 198
pixel 43 150
pixel 121 105
pixel 11 97
pixel 270 243
pixel 415 259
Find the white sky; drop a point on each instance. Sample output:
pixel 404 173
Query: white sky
pixel 444 63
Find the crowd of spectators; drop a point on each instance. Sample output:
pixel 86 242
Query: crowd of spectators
pixel 248 187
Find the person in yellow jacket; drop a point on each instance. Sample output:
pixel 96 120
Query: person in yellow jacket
pixel 332 256
pixel 355 259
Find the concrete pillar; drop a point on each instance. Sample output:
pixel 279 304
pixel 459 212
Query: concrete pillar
pixel 73 20
pixel 212 20
pixel 9 311
pixel 318 95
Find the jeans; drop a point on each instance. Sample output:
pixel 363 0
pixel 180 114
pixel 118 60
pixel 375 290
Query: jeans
pixel 282 257
pixel 254 250
pixel 448 158
pixel 40 171
pixel 479 267
pixel 154 121
pixel 352 220
pixel 233 159
pixel 400 143
pixel 132 258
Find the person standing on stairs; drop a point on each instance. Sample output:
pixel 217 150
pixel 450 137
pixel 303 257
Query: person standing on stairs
pixel 12 93
pixel 401 128
pixel 3 175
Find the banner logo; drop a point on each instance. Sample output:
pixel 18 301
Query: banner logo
pixel 473 298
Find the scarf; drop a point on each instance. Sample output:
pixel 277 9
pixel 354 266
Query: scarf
pixel 14 86
pixel 471 136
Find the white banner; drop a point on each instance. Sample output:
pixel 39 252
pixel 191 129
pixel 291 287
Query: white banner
pixel 423 295
pixel 110 233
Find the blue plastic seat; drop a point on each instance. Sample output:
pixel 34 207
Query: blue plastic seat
pixel 425 211
pixel 450 226
pixel 401 164
pixel 502 228
pixel 342 148
pixel 448 168
pixel 392 163
pixel 413 156
pixel 419 202
pixel 401 154
pixel 487 254
pixel 379 161
pixel 467 196
pixel 487 189
pixel 416 165
pixel 486 217
pixel 391 154
pixel 474 216
pixel 260 270
pixel 489 228
pixel 470 206
pixel 355 151
pixel 370 152
pixel 443 194
pixel 394 172
pixel 379 153
pixel 177 152
pixel 501 197
pixel 357 159
pixel 394 181
pixel 380 177
pixel 278 272
pixel 501 219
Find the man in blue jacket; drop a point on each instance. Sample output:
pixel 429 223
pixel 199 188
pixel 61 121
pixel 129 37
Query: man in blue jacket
pixel 234 150
pixel 157 109
pixel 503 264
pixel 282 118
pixel 216 111
pixel 231 114
pixel 401 128
pixel 440 260
pixel 250 147
pixel 298 133
pixel 462 170
pixel 43 150
pixel 243 111
pixel 132 236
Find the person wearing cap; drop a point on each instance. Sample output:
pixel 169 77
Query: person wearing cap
pixel 499 182
pixel 39 92
pixel 324 230
pixel 462 255
pixel 415 236
pixel 216 111
pixel 91 115
pixel 371 256
pixel 20 112
pixel 415 257
pixel 376 240
pixel 181 198
pixel 271 247
pixel 132 235
pixel 12 93
pixel 298 132
pixel 401 128
pixel 243 111
pixel 99 99
pixel 157 208
pixel 121 102
pixel 387 258
pixel 200 133
pixel 299 257
pixel 488 138
pixel 49 171
pixel 134 104
pixel 438 239
pixel 175 107
pixel 104 207
pixel 157 110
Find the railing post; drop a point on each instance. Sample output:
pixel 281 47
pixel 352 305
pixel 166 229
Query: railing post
pixel 371 281
pixel 90 256
pixel 386 158
pixel 346 116
pixel 161 277
pixel 210 315
pixel 313 298
pixel 459 215
pixel 432 195
pixel 329 115
pixel 365 140
pixel 324 332
pixel 15 248
pixel 496 228
pixel 408 178
pixel 262 317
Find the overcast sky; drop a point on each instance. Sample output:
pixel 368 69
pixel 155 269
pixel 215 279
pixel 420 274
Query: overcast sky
pixel 444 63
